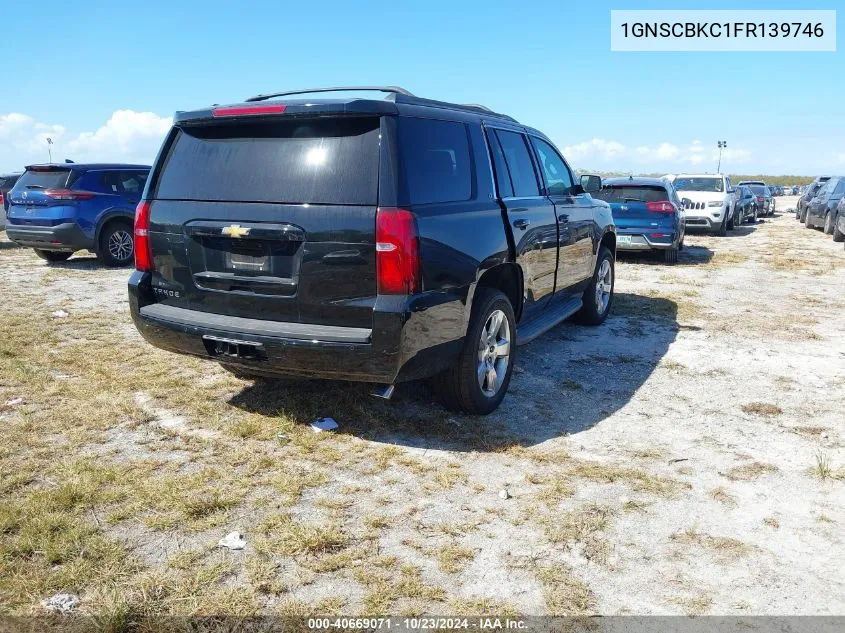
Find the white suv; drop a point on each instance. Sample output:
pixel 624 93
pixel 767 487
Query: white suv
pixel 708 199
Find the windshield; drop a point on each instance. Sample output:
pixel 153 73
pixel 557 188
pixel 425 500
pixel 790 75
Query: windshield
pixel 699 184
pixel 631 193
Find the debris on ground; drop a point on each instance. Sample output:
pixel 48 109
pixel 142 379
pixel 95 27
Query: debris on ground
pixel 61 314
pixel 61 603
pixel 12 403
pixel 504 494
pixel 282 438
pixel 323 424
pixel 233 540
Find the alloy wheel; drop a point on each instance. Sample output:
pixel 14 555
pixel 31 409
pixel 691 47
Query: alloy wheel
pixel 494 351
pixel 120 245
pixel 604 286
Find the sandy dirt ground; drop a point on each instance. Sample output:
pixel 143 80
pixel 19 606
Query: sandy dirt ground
pixel 686 457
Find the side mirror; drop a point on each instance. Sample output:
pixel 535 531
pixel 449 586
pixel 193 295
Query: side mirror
pixel 590 183
pixel 731 190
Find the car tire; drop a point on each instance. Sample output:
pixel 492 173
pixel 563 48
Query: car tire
pixel 838 236
pixel 753 219
pixel 808 223
pixel 116 246
pixel 52 256
pixel 828 223
pixel 604 277
pixel 479 379
pixel 731 222
pixel 670 256
pixel 722 231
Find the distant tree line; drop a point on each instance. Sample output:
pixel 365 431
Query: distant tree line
pixel 735 178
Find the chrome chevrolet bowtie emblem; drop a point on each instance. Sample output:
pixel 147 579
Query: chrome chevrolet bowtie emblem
pixel 235 230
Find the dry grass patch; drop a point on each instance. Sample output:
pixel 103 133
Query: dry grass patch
pixel 726 258
pixel 565 593
pixel 762 408
pixel 639 480
pixel 724 546
pixel 586 527
pixel 721 495
pixel 772 522
pixel 470 607
pixel 454 558
pixel 750 471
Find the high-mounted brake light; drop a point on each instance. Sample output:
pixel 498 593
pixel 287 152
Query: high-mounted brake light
pixel 68 194
pixel 143 253
pixel 248 110
pixel 397 252
pixel 660 207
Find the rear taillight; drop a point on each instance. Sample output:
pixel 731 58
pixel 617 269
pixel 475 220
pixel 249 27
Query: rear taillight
pixel 397 252
pixel 248 110
pixel 67 194
pixel 1 197
pixel 143 254
pixel 660 207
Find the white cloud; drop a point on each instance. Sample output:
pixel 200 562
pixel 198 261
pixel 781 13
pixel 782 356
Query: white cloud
pixel 128 136
pixel 666 151
pixel 660 157
pixel 606 150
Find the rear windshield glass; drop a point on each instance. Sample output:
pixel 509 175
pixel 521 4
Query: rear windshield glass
pixel 699 184
pixel 758 189
pixel 327 161
pixel 435 161
pixel 52 179
pixel 630 193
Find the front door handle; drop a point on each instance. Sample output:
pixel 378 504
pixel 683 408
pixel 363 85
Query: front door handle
pixel 522 223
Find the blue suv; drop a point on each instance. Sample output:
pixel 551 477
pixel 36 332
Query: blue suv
pixel 59 209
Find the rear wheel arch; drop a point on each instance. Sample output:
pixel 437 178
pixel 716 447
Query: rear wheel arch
pixel 110 217
pixel 506 278
pixel 608 240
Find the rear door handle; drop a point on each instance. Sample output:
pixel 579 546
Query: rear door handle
pixel 522 223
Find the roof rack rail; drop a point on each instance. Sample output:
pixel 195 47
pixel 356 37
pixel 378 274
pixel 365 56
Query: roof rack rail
pixel 478 106
pixel 390 89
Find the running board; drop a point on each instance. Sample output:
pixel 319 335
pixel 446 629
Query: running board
pixel 546 320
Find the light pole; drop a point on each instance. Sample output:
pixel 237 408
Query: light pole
pixel 721 145
pixel 49 148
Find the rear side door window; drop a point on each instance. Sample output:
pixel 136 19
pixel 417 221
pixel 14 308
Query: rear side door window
pixel 556 174
pixel 436 162
pixel 520 168
pixel 132 183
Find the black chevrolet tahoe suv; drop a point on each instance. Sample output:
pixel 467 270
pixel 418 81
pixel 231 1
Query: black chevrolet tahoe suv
pixel 366 239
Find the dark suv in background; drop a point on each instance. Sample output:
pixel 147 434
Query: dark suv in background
pixel 59 209
pixel 809 193
pixel 765 199
pixel 366 239
pixel 822 208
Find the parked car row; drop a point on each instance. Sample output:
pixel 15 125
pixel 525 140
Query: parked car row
pixel 58 209
pixel 366 239
pixel 825 210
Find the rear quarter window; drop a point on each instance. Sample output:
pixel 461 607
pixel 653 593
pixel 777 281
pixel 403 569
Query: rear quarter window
pixel 436 165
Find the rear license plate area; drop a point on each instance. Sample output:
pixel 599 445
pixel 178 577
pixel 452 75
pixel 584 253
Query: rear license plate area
pixel 623 239
pixel 272 258
pixel 232 348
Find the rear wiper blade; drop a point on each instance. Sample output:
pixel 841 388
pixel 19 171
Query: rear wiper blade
pixel 633 200
pixel 35 187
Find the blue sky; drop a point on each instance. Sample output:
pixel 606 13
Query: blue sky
pixel 103 78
